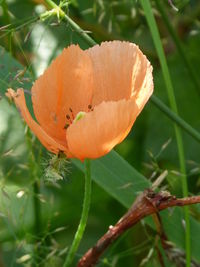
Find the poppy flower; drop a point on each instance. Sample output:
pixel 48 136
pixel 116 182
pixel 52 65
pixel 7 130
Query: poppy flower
pixel 86 102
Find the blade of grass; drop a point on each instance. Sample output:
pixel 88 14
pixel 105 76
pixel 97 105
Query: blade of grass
pixel 177 119
pixel 157 42
pixel 21 23
pixel 178 44
pixel 6 20
pixel 36 201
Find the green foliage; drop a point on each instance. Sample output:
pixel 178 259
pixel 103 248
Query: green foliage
pixel 118 177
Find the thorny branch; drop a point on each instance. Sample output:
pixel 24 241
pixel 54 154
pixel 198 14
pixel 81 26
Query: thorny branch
pixel 145 204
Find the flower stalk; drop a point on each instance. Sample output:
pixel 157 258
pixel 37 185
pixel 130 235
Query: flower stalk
pixel 81 228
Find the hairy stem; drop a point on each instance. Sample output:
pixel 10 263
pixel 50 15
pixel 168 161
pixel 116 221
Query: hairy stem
pixel 74 26
pixel 84 216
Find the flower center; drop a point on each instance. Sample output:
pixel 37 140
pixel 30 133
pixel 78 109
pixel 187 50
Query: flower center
pixel 72 119
pixel 79 116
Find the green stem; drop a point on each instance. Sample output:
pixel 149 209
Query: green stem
pixel 5 15
pixel 51 4
pixel 77 29
pixel 172 115
pixel 84 216
pixel 37 209
pixel 37 226
pixel 36 201
pixel 178 45
pixel 157 42
pixel 6 20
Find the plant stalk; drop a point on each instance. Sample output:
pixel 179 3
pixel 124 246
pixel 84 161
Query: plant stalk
pixel 179 46
pixel 84 216
pixel 158 45
pixel 36 202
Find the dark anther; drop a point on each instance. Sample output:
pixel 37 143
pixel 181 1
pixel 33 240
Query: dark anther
pixel 89 106
pixel 70 109
pixel 68 117
pixel 66 126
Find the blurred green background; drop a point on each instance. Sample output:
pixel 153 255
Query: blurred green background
pixel 27 46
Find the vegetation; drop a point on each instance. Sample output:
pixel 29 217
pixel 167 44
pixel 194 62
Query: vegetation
pixel 42 194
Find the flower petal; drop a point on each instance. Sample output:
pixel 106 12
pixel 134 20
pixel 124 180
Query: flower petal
pixel 66 84
pixel 51 144
pixel 100 130
pixel 119 70
pixel 143 84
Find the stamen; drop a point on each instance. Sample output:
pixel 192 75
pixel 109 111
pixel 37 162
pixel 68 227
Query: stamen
pixel 69 118
pixel 66 126
pixel 90 108
pixel 70 109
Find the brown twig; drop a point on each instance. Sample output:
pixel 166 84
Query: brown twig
pixel 145 204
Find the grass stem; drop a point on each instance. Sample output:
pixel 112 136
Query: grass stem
pixel 157 42
pixel 178 44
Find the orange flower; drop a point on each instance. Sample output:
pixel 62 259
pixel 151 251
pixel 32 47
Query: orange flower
pixel 87 101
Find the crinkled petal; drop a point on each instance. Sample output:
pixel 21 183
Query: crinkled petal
pixel 100 130
pixel 120 70
pixel 51 144
pixel 66 84
pixel 143 84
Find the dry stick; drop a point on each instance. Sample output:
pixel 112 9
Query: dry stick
pixel 145 204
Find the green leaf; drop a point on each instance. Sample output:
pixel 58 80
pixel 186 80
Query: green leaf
pixel 12 73
pixel 117 177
